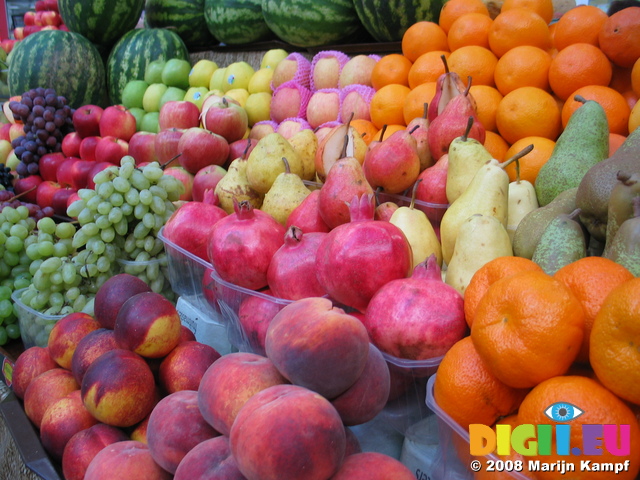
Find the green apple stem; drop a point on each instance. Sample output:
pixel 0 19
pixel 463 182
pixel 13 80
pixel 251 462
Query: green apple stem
pixel 517 156
pixel 413 193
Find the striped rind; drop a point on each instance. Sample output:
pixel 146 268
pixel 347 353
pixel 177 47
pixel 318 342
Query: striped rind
pixel 130 56
pixel 236 22
pixel 102 21
pixel 64 61
pixel 186 17
pixel 387 21
pixel 311 23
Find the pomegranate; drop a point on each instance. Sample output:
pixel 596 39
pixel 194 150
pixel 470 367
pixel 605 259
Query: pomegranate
pixel 254 316
pixel 306 216
pixel 292 272
pixel 190 225
pixel 416 318
pixel 357 258
pixel 241 245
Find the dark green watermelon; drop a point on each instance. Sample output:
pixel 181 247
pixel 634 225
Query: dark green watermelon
pixel 185 17
pixel 236 22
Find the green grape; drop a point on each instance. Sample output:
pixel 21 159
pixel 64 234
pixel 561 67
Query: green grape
pixel 41 281
pixel 130 244
pixel 33 251
pixel 35 265
pixel 105 189
pixel 132 197
pixel 79 239
pixel 56 278
pixel 28 295
pixel 86 193
pixel 66 310
pixel 139 211
pixel 68 273
pixel 149 221
pixel 97 246
pixel 19 231
pixel 92 203
pixel 45 248
pixel 79 303
pixel 20 269
pixel 29 223
pixel 50 265
pixel 116 199
pixel 11 215
pixel 3 238
pixel 103 176
pixel 149 244
pixel 102 222
pixel 146 197
pixel 125 172
pixel 11 258
pixel 22 282
pixel 111 252
pixel 67 242
pixel 89 270
pixel 158 205
pixel 75 208
pixel 127 160
pixel 90 229
pixel 103 264
pixel 127 209
pixel 104 208
pixel 39 301
pixel 141 231
pixel 157 285
pixel 120 184
pixel 5 294
pixel 139 181
pixel 14 244
pixel 47 225
pixel 6 308
pixel 56 299
pixel 159 192
pixel 45 237
pixel 5 227
pixel 30 240
pixel 51 311
pixel 85 216
pixel 4 336
pixel 65 230
pixel 13 330
pixel 23 211
pixel 72 293
pixel 153 270
pixel 107 235
pixel 115 215
pixel 60 249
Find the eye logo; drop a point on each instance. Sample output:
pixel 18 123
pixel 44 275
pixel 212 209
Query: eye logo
pixel 562 412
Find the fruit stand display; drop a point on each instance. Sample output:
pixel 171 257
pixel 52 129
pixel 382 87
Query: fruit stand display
pixel 325 240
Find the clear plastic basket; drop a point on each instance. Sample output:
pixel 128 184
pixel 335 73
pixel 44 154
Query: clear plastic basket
pixel 34 326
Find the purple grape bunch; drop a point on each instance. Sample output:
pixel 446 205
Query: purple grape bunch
pixel 47 119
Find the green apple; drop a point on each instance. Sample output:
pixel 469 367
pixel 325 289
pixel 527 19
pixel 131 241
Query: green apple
pixel 172 94
pixel 196 95
pixel 5 150
pixel 200 74
pixel 133 93
pixel 272 57
pixel 176 73
pixel 218 77
pixel 149 122
pixel 153 72
pixel 261 81
pixel 152 96
pixel 237 75
pixel 138 113
pixel 258 107
pixel 12 161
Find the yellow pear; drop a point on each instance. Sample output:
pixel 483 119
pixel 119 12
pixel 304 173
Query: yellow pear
pixel 286 193
pixel 522 199
pixel 305 143
pixel 234 185
pixel 265 161
pixel 332 147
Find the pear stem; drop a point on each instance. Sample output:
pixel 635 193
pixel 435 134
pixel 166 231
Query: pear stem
pixel 343 153
pixel 382 132
pixel 446 65
pixel 414 190
pixel 466 90
pixel 246 149
pixel 467 130
pixel 580 98
pixel 518 170
pixel 517 156
pixel 574 214
pixel 287 168
pixel 425 109
pixel 414 129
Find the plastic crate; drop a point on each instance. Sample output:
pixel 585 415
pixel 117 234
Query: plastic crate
pixel 34 326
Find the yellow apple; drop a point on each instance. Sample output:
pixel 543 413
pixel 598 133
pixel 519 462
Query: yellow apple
pixel 201 73
pixel 237 75
pixel 271 57
pixel 258 106
pixel 240 95
pixel 5 150
pixel 261 81
pixel 218 77
pixel 152 95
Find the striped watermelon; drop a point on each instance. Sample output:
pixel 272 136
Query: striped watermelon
pixel 130 56
pixel 311 23
pixel 64 61
pixel 387 21
pixel 236 22
pixel 101 22
pixel 185 17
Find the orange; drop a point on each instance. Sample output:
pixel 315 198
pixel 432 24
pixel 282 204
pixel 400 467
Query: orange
pixel 599 407
pixel 528 327
pixel 454 9
pixel 487 275
pixel 475 62
pixel 621 79
pixel 581 24
pixel 365 128
pixel 392 68
pixel 423 37
pixel 544 8
pixel 470 29
pixel 620 37
pixel 526 112
pixel 634 117
pixel 523 66
pixel 387 104
pixel 578 65
pixel 467 390
pixel 487 100
pixel 414 102
pixel 591 279
pixel 635 77
pixel 614 341
pixel 533 161
pixel 615 140
pixel 495 145
pixel 427 68
pixel 388 131
pixel 614 104
pixel 518 26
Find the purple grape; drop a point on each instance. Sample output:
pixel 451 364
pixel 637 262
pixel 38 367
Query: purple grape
pixel 21 169
pixel 33 168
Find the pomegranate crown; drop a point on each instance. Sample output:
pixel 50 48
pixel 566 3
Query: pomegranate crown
pixel 362 207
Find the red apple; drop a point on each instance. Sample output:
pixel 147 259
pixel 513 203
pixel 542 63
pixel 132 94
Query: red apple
pixel 117 121
pixel 72 198
pixel 227 120
pixel 166 145
pixel 185 177
pixel 241 148
pixel 80 172
pixel 179 114
pixel 111 149
pixel 7 44
pixel 199 147
pixel 71 144
pixel 51 18
pixel 64 174
pixel 45 192
pixel 206 179
pixel 97 167
pixel 28 184
pixel 4 129
pixel 29 18
pixel 50 163
pixel 142 147
pixel 88 147
pixel 60 200
pixel 86 120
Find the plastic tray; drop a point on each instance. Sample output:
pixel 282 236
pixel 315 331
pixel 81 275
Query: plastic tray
pixel 34 326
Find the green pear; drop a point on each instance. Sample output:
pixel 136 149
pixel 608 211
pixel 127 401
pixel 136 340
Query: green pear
pixel 265 161
pixel 522 201
pixel 561 243
pixel 287 192
pixel 624 248
pixel 234 185
pixel 620 205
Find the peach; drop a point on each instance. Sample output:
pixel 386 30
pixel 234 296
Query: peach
pixel 363 400
pixel 186 335
pixel 29 364
pixel 125 461
pixel 175 427
pixel 148 324
pixel 45 390
pixel 209 459
pixel 326 352
pixel 353 443
pixel 63 420
pixel 140 431
pixel 65 335
pixel 89 348
pixel 372 466
pixel 287 431
pixel 184 366
pixel 229 382
pixel 119 388
pixel 84 445
pixel 112 295
pixel 254 316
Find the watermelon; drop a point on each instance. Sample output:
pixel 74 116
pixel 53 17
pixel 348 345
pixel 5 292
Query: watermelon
pixel 131 54
pixel 185 17
pixel 104 22
pixel 236 22
pixel 311 23
pixel 64 61
pixel 387 21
